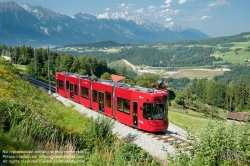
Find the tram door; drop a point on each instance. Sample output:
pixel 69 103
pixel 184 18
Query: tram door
pixel 135 118
pixel 71 90
pixel 101 101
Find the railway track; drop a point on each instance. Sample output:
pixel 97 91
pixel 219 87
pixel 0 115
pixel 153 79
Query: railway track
pixel 173 140
pixel 40 84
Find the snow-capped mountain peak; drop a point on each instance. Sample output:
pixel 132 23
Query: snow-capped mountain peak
pixel 177 28
pixel 27 7
pixel 84 16
pixel 121 15
pixel 116 15
pixel 137 19
pixel 40 12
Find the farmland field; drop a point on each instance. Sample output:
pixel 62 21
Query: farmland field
pixel 110 50
pixel 190 72
pixel 196 73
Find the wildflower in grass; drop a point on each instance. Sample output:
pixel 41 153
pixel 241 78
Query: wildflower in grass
pixel 2 71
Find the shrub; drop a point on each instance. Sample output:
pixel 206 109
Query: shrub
pixel 220 144
pixel 99 133
pixel 133 155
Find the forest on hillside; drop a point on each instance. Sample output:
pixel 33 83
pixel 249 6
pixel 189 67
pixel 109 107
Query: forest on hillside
pixel 218 40
pixel 103 44
pixel 25 55
pixel 237 73
pixel 221 95
pixel 172 57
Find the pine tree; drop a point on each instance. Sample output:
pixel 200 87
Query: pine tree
pixel 219 93
pixel 242 96
pixel 75 65
pixel 230 96
pixel 66 62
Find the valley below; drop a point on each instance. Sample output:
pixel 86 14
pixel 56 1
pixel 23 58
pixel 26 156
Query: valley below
pixel 178 72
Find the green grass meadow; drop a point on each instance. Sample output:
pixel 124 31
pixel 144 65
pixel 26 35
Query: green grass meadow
pixel 233 56
pixel 190 123
pixel 195 122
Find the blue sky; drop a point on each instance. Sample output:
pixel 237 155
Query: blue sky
pixel 213 17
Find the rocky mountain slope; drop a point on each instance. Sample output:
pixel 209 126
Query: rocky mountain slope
pixel 35 25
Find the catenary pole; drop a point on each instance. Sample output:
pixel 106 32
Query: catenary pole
pixel 48 70
pixel 35 61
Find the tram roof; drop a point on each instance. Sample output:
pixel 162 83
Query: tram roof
pixel 110 82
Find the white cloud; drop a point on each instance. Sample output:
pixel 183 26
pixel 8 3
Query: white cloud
pixel 169 12
pixel 165 6
pixel 151 8
pixel 124 6
pixel 176 11
pixel 107 9
pixel 205 17
pixel 218 3
pixel 166 13
pixel 182 1
pixel 168 19
pixel 168 1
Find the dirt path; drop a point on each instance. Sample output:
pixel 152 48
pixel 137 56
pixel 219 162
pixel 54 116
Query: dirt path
pixel 129 64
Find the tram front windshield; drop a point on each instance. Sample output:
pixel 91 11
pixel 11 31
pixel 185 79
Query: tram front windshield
pixel 155 111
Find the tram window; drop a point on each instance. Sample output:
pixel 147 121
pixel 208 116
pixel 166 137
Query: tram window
pixel 108 99
pixel 61 86
pixel 147 114
pixel 76 89
pixel 67 85
pixel 94 93
pixel 124 105
pixel 120 104
pixel 85 92
pixel 154 111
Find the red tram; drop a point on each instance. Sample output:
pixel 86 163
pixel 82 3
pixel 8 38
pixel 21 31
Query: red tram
pixel 138 107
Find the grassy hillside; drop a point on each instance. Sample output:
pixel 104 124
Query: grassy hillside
pixel 233 56
pixel 120 66
pixel 32 120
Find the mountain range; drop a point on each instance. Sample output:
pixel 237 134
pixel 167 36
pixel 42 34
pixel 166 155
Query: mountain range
pixel 37 26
